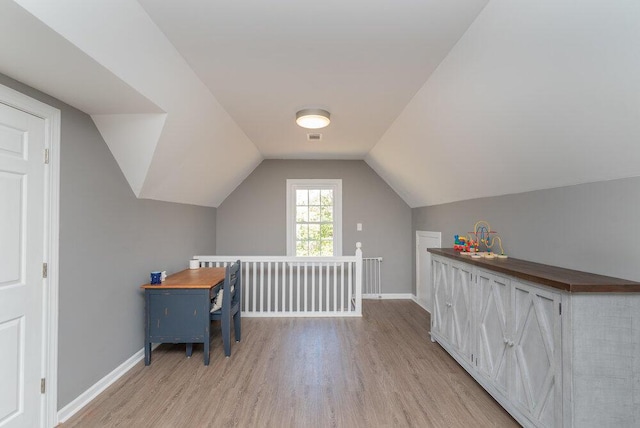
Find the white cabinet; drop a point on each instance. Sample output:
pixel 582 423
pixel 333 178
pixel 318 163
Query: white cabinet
pixel 440 316
pixel 536 358
pixel 452 309
pixel 506 334
pixel 461 310
pixel 518 344
pixel 563 354
pixel 493 303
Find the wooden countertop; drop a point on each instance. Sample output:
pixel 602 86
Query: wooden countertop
pixel 191 278
pixel 564 279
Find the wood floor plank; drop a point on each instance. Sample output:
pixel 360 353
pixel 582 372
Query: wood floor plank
pixel 380 370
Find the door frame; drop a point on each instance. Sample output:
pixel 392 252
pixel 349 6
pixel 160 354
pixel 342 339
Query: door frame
pixel 49 363
pixel 424 234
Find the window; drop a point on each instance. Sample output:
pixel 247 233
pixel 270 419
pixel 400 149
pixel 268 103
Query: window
pixel 314 218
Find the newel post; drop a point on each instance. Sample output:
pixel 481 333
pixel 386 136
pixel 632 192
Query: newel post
pixel 358 297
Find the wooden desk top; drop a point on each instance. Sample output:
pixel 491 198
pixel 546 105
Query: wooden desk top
pixel 191 278
pixel 564 279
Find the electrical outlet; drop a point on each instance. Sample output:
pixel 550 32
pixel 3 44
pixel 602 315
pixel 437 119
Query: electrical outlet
pixel 359 227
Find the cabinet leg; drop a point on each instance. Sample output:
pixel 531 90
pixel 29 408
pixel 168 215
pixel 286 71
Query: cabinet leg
pixel 431 337
pixel 147 353
pixel 189 349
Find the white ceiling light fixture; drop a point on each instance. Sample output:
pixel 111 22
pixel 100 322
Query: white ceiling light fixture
pixel 313 118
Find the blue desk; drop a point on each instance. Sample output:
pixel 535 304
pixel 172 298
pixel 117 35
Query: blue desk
pixel 177 311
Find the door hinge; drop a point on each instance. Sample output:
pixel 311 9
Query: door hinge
pixel 560 308
pixel 45 270
pixel 46 156
pixel 43 385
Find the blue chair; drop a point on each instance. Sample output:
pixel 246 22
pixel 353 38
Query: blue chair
pixel 231 297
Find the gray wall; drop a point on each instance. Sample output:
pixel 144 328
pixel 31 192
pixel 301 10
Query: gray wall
pixel 255 211
pixel 109 242
pixel 589 227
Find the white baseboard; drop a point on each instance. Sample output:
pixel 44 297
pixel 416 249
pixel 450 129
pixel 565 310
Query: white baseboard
pixel 85 398
pixel 299 314
pixel 389 296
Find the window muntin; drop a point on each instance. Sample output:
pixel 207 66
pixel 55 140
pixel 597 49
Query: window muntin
pixel 314 218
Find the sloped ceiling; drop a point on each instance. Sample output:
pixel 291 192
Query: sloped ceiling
pixel 445 100
pixel 180 145
pixel 535 95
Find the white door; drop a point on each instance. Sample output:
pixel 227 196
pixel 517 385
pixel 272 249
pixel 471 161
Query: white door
pixel 22 190
pixel 424 287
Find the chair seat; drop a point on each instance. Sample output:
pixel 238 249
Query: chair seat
pixel 215 315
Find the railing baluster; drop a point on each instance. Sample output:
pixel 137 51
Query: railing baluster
pixel 327 288
pixel 269 286
pixel 305 288
pixel 320 289
pixel 350 291
pixel 284 285
pixel 261 286
pixel 254 284
pixel 245 285
pixel 276 287
pixel 298 287
pixel 342 287
pixel 335 287
pixel 313 287
pixel 290 287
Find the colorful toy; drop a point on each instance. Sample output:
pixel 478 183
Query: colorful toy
pixel 483 243
pixel 459 243
pixel 482 231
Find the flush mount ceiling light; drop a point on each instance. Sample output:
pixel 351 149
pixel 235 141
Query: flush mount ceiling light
pixel 313 118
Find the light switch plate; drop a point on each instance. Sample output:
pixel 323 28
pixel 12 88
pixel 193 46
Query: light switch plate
pixel 359 227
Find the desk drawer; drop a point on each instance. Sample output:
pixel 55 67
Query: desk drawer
pixel 177 315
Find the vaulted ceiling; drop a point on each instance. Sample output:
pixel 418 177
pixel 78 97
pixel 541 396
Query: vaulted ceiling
pixel 445 100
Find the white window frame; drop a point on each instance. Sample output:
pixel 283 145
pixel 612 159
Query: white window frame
pixel 295 184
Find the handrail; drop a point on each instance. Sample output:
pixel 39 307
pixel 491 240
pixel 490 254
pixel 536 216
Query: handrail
pixel 276 259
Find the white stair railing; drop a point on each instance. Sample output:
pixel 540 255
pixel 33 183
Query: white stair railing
pixel 275 286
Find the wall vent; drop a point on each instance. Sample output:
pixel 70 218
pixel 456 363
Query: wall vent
pixel 314 137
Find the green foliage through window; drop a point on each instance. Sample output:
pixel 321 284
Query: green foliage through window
pixel 314 222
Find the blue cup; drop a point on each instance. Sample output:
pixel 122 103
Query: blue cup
pixel 156 277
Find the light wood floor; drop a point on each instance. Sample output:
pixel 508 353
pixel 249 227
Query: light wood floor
pixel 377 371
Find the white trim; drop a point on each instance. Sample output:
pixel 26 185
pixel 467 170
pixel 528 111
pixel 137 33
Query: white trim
pixel 415 299
pixel 336 184
pixel 337 314
pixel 424 234
pixel 85 398
pixel 389 296
pixel 49 364
pixel 257 259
